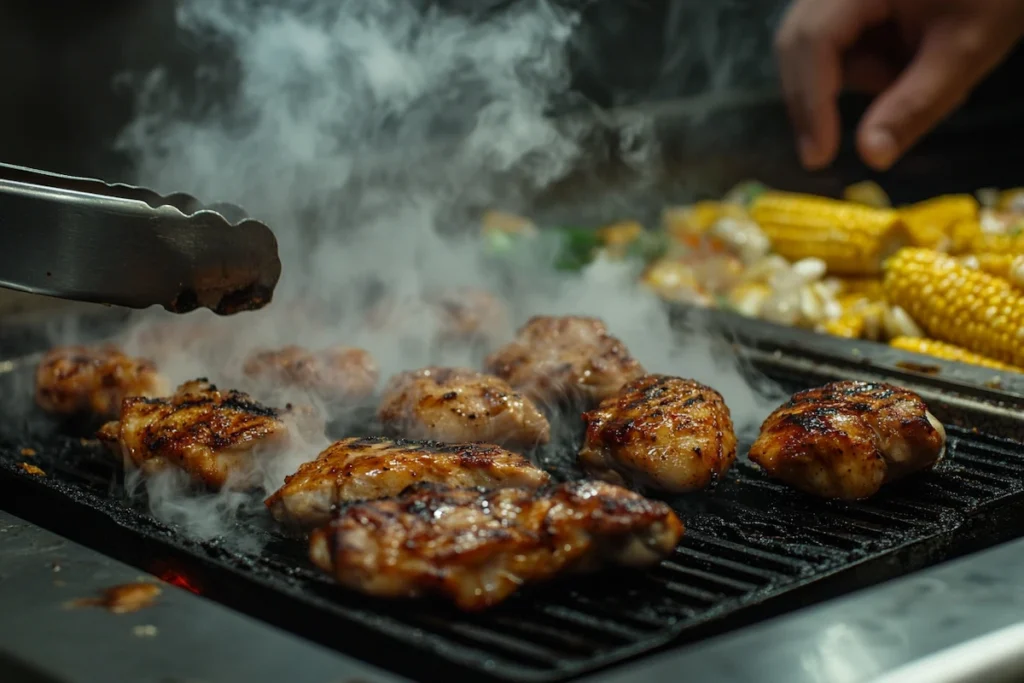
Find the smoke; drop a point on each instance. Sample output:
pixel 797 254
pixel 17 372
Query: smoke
pixel 369 135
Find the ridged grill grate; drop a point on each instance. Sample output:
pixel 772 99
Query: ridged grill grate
pixel 753 548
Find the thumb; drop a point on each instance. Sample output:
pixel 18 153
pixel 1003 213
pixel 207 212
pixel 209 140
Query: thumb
pixel 940 76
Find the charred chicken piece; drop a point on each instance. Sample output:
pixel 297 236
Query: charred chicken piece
pixel 209 338
pixel 214 436
pixel 76 380
pixel 460 405
pixel 459 314
pixel 478 548
pixel 470 314
pixel 661 432
pixel 846 439
pixel 553 359
pixel 365 469
pixel 336 375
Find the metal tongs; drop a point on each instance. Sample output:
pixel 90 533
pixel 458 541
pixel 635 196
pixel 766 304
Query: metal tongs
pixel 86 240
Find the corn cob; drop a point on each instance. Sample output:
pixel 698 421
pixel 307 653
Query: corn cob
pixel 930 222
pixel 850 238
pixel 957 304
pixel 999 265
pixel 868 193
pixel 937 349
pixel 980 243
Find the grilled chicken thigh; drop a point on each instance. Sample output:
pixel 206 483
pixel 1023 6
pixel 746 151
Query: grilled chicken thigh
pixel 663 432
pixel 336 375
pixel 73 380
pixel 460 405
pixel 459 314
pixel 557 358
pixel 214 436
pixel 470 314
pixel 478 548
pixel 846 439
pixel 364 469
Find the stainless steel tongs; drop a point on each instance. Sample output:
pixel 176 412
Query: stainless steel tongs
pixel 87 240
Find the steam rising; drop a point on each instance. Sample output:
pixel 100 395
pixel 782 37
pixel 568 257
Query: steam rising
pixel 367 134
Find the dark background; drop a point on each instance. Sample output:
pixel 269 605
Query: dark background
pixel 62 105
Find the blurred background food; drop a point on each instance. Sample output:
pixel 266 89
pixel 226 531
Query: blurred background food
pixel 942 277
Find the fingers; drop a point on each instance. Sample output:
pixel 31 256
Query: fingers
pixel 868 73
pixel 945 69
pixel 810 46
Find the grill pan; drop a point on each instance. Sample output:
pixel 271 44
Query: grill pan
pixel 753 548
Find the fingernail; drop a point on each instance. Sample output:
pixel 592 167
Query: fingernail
pixel 879 148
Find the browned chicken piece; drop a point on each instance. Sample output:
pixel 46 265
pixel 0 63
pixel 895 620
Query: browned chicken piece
pixel 469 314
pixel 661 432
pixel 459 405
pixel 340 374
pixel 557 358
pixel 461 314
pixel 75 380
pixel 214 436
pixel 477 548
pixel 846 439
pixel 357 469
pixel 211 339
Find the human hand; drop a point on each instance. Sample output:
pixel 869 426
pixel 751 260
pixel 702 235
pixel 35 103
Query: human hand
pixel 920 57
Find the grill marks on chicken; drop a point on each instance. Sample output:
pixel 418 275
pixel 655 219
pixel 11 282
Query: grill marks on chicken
pixel 212 435
pixel 77 380
pixel 661 432
pixel 477 548
pixel 358 469
pixel 335 376
pixel 460 405
pixel 554 359
pixel 847 439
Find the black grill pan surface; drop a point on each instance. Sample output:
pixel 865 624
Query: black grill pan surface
pixel 753 549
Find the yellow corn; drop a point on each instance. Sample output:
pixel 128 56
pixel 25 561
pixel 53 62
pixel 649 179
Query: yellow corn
pixel 868 193
pixel 620 235
pixel 931 222
pixel 957 304
pixel 674 281
pixel 849 325
pixel 937 349
pixel 1012 200
pixel 996 244
pixel 999 265
pixel 698 219
pixel 850 238
pixel 862 287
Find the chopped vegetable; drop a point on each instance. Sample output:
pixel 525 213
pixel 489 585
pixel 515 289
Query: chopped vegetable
pixel 577 248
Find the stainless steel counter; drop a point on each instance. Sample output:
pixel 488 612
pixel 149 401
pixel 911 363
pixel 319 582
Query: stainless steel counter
pixel 900 631
pixel 182 638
